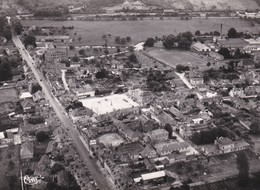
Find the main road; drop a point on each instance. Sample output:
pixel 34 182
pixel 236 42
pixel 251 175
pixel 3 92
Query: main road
pixel 94 170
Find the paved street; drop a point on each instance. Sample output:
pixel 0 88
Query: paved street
pixel 94 170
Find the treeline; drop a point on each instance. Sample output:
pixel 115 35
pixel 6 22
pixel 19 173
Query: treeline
pixel 208 137
pixel 181 41
pixel 5 29
pixel 6 66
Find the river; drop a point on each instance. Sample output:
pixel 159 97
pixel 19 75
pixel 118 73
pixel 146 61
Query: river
pixel 92 31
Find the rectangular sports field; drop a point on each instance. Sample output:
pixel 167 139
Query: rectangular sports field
pixel 107 104
pixel 175 57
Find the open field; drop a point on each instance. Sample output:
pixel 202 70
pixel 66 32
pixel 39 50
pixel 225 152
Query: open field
pixel 9 163
pixel 8 94
pixel 175 57
pixel 91 32
pixel 103 105
pixel 111 139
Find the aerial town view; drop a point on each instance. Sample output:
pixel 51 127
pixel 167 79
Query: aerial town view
pixel 130 95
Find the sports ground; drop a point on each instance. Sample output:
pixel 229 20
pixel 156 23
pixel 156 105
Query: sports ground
pixel 107 104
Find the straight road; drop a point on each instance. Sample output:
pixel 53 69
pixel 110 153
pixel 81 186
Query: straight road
pixel 94 170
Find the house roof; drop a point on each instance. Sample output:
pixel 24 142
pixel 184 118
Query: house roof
pixel 2 135
pixel 147 150
pixel 27 103
pixel 224 141
pixel 27 148
pixel 233 42
pixel 172 146
pixel 157 132
pixel 153 175
pixel 25 95
pixel 200 46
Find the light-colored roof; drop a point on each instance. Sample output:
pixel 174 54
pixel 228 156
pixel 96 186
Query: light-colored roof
pixel 225 141
pixel 153 175
pixel 2 136
pixel 157 132
pixel 200 46
pixel 25 95
pixel 14 130
pixel 172 146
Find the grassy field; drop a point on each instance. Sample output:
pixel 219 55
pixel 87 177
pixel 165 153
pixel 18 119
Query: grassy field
pixel 175 57
pixel 9 164
pixel 111 139
pixel 7 95
pixel 91 32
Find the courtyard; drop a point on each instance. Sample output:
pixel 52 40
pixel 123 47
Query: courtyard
pixel 107 104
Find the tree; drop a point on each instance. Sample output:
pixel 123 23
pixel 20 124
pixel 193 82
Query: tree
pixel 197 33
pixel 232 33
pixel 149 42
pixel 225 52
pixel 75 58
pixel 255 128
pixel 102 74
pixel 168 128
pixel 243 168
pixel 106 51
pixel 71 47
pixel 216 33
pixel 118 50
pixel 42 136
pixel 208 64
pixel 169 41
pixel 30 40
pixel 117 39
pixel 7 33
pixel 35 88
pixel 123 41
pixel 184 43
pixel 82 52
pixel 132 58
pixel 128 39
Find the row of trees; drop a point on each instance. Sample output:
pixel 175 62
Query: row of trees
pixel 122 41
pixel 182 40
pixel 5 29
pixel 237 55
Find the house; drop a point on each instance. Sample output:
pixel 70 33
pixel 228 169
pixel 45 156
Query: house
pixel 236 92
pixel 81 114
pixel 216 56
pixel 28 106
pixel 26 151
pixel 140 96
pixel 85 91
pixel 148 152
pixel 246 64
pixel 196 78
pixel 224 145
pixel 199 47
pixel 52 55
pixel 158 135
pixel 164 149
pixel 132 135
pixel 155 176
pixel 38 96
